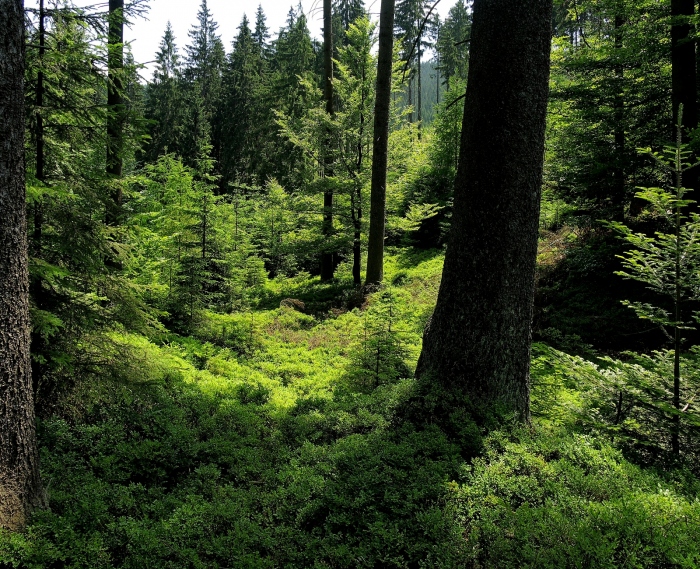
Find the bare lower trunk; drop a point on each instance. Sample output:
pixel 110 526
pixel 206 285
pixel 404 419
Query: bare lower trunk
pixel 476 349
pixel 684 82
pixel 618 198
pixel 115 105
pixel 20 486
pixel 327 257
pixel 356 206
pixel 36 288
pixel 40 160
pixel 375 245
pixel 419 95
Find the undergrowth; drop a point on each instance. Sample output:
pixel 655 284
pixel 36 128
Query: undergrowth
pixel 267 439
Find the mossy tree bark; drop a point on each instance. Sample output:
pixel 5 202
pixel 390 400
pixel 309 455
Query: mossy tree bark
pixel 20 486
pixel 476 348
pixel 380 148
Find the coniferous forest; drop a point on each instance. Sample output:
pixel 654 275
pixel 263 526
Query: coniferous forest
pixel 424 292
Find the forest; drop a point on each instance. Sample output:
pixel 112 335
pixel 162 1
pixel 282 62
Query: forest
pixel 423 293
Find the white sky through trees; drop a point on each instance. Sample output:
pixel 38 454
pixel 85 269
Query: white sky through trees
pixel 145 34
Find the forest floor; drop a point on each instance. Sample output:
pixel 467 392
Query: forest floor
pixel 267 439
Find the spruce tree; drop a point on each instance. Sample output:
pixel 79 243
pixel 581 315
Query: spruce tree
pixel 164 100
pixel 348 11
pixel 241 109
pixel 261 34
pixel 205 58
pixel 453 43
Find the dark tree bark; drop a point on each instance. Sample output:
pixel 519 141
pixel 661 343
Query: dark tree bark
pixel 419 87
pixel 684 82
pixel 684 69
pixel 327 258
pixel 618 197
pixel 40 159
pixel 35 286
pixel 380 150
pixel 476 348
pixel 115 103
pixel 20 486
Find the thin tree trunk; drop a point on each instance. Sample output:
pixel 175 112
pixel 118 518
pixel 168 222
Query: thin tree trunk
pixel 380 149
pixel 20 485
pixel 684 69
pixel 36 289
pixel 40 175
pixel 476 349
pixel 618 198
pixel 419 94
pixel 327 257
pixel 437 76
pixel 684 82
pixel 676 421
pixel 357 219
pixel 115 104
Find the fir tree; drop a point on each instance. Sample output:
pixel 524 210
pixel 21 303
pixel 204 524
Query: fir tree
pixel 204 67
pixel 452 44
pixel 261 34
pixel 243 81
pixel 164 100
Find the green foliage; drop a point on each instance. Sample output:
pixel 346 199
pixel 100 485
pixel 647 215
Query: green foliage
pixel 261 422
pixel 453 43
pixel 610 80
pixel 669 265
pixel 74 290
pixel 245 445
pixel 549 499
pixel 627 400
pixel 380 357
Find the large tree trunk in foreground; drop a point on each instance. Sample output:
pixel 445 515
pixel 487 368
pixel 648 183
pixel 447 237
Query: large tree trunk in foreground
pixel 476 349
pixel 20 486
pixel 380 149
pixel 327 257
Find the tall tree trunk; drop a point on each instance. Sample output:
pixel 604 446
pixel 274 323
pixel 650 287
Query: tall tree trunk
pixel 327 257
pixel 476 348
pixel 20 486
pixel 115 104
pixel 419 89
pixel 618 198
pixel 40 159
pixel 36 288
pixel 437 75
pixel 380 149
pixel 684 82
pixel 357 201
pixel 684 69
pixel 697 65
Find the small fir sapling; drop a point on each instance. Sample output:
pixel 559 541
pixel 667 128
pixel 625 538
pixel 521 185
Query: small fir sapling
pixel 667 262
